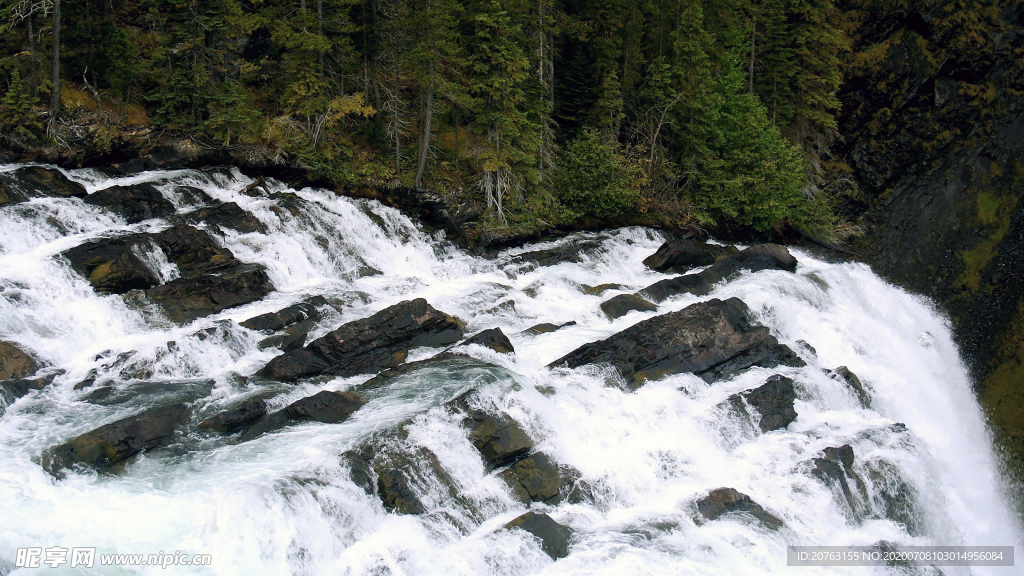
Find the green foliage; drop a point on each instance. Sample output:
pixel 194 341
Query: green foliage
pixel 19 124
pixel 595 179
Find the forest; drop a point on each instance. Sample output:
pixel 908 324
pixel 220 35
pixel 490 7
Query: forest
pixel 717 114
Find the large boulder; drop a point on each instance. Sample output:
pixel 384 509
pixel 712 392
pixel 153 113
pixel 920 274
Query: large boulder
pixel 224 215
pixel 773 401
pixel 186 299
pixel 114 443
pixel 193 251
pixel 325 406
pixel 492 338
pixel 240 417
pixel 308 309
pixel 370 344
pixel 679 256
pixel 619 306
pixel 113 265
pixel 133 203
pixel 753 259
pixel 534 479
pixel 499 438
pixel 36 182
pixel 723 501
pixel 834 468
pixel 696 339
pixel 554 537
pixel 15 362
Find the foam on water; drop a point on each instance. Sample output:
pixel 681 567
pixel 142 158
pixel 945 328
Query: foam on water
pixel 284 503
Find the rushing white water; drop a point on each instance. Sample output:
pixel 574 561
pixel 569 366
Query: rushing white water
pixel 284 503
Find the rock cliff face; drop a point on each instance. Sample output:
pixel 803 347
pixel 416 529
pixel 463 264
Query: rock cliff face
pixel 933 123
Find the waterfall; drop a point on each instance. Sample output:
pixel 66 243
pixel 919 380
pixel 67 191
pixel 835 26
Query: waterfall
pixel 286 502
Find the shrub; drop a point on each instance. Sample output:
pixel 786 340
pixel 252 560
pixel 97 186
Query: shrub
pixel 595 179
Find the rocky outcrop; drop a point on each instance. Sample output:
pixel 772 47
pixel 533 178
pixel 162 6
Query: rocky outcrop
pixel 835 469
pixel 534 479
pixel 308 309
pixel 193 251
pixel 492 338
pixel 554 538
pixel 37 182
pixel 773 402
pixel 714 337
pixel 619 306
pixel 370 344
pixel 224 216
pixel 679 256
pixel 11 390
pixel 500 439
pixel 133 203
pixel 326 406
pixel 753 259
pixel 15 362
pixel 723 501
pixel 568 253
pixel 114 443
pixel 844 375
pixel 186 299
pixel 242 416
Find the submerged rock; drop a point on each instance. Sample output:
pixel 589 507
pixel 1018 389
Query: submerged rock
pixel 773 401
pixel 133 203
pixel 844 375
pixel 546 327
pixel 551 256
pixel 37 182
pixel 498 437
pixel 235 419
pixel 115 443
pixel 15 362
pixel 599 289
pixel 308 309
pixel 186 299
pixel 325 406
pixel 370 344
pixel 835 469
pixel 225 216
pixel 534 479
pixel 554 537
pixel 619 306
pixel 678 256
pixel 492 338
pixel 11 390
pixel 753 259
pixel 722 501
pixel 699 339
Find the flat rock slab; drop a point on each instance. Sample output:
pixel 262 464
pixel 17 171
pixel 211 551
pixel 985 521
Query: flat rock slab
pixel 534 479
pixel 37 182
pixel 370 344
pixel 723 501
pixel 244 415
pixel 696 339
pixel 551 256
pixel 224 216
pixel 133 203
pixel 554 537
pixel 187 299
pixel 15 362
pixel 115 443
pixel 499 438
pixel 619 306
pixel 753 259
pixel 679 256
pixel 546 328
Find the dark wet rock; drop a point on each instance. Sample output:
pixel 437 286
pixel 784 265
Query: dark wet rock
pixel 193 251
pixel 550 257
pixel 308 309
pixel 113 265
pixel 370 344
pixel 360 471
pixel 893 496
pixel 807 348
pixel 844 375
pixel 284 342
pixel 37 182
pixel 722 501
pixel 534 479
pixel 498 437
pixel 600 288
pixel 492 338
pixel 753 259
pixel 679 256
pixel 770 354
pixel 234 419
pixel 224 215
pixel 554 537
pixel 11 390
pixel 133 203
pixel 699 339
pixel 114 443
pixel 325 406
pixel 15 362
pixel 835 469
pixel 545 328
pixel 258 188
pixel 773 401
pixel 186 299
pixel 150 393
pixel 620 305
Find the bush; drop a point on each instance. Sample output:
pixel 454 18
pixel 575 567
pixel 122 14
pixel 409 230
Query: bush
pixel 595 179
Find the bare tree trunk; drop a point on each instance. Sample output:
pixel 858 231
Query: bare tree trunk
pixel 55 91
pixel 425 136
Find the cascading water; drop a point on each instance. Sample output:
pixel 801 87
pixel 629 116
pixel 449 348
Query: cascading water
pixel 286 502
